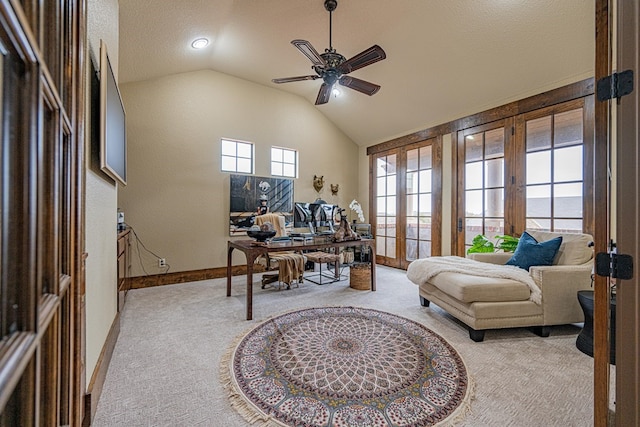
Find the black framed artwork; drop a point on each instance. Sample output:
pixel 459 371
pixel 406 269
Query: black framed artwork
pixel 254 195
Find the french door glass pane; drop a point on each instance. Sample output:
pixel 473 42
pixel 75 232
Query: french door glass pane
pixel 568 128
pixel 539 167
pixel 391 226
pixel 391 185
pixel 412 183
pixel 539 201
pixel 493 227
pixel 412 160
pixel 424 249
pixel 391 206
pixel 473 203
pixel 425 204
pixel 381 244
pixel 425 181
pixel 473 175
pixel 567 200
pixel 381 186
pixel 426 157
pixel 538 134
pixel 411 249
pixel 425 228
pixel 412 205
pixel 567 165
pixel 494 144
pixel 473 147
pixel 494 203
pixel 391 247
pixel 473 227
pixel 554 176
pixel 411 227
pixel 495 173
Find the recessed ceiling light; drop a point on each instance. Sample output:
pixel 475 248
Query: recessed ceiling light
pixel 200 43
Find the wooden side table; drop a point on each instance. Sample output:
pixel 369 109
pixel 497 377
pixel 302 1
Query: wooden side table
pixel 584 342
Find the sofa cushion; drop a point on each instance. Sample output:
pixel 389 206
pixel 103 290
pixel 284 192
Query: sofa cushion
pixel 468 288
pixel 530 252
pixel 574 249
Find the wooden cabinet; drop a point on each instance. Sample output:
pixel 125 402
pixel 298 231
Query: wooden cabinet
pixel 124 266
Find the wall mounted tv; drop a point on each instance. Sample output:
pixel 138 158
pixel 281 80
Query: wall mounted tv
pixel 113 138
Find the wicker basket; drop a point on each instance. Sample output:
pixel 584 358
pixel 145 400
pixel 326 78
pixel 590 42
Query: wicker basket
pixel 360 276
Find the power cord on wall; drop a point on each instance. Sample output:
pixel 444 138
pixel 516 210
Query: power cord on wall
pixel 139 243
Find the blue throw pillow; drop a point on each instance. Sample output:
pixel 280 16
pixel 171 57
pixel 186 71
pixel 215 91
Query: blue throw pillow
pixel 529 252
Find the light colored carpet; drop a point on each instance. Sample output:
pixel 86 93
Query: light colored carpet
pixel 165 367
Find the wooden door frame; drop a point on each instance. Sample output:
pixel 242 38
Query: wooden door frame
pixel 627 219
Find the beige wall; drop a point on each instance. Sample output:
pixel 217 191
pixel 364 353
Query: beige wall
pixel 100 205
pixel 176 198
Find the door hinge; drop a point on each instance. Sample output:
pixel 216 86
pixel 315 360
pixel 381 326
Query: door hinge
pixel 618 266
pixel 615 85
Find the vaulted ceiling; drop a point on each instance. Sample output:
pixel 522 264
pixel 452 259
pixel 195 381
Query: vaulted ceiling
pixel 445 58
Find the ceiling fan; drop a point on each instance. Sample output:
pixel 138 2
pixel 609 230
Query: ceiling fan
pixel 332 67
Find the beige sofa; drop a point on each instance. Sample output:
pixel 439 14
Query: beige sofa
pixel 483 302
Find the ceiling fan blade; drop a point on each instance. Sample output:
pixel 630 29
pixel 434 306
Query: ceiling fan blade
pixel 359 85
pixel 324 94
pixel 310 52
pixel 364 58
pixel 294 79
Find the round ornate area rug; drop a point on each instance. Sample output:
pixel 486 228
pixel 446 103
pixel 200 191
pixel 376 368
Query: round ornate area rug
pixel 346 366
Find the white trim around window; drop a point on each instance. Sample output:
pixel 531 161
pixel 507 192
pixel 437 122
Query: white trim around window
pixel 284 162
pixel 237 156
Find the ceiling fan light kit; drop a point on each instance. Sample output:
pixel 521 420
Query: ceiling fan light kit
pixel 332 67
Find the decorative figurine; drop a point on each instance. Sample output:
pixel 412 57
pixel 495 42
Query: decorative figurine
pixel 334 189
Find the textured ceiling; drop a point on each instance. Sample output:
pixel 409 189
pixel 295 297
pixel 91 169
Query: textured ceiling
pixel 445 58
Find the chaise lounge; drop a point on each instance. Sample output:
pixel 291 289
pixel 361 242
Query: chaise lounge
pixel 484 293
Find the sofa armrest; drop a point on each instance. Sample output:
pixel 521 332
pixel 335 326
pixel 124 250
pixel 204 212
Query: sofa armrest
pixel 491 257
pixel 560 285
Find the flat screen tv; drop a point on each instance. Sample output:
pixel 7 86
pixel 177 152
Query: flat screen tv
pixel 113 138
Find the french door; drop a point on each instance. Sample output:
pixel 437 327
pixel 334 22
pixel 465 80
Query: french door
pixel 407 209
pixel 531 171
pixel 41 243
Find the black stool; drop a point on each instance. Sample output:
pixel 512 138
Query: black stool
pixel 584 342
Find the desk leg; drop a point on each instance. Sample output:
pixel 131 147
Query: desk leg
pixel 372 250
pixel 250 261
pixel 229 250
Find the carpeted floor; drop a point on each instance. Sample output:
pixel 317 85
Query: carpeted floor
pixel 165 367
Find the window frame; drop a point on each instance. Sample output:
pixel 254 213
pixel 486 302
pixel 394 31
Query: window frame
pixel 236 142
pixel 295 163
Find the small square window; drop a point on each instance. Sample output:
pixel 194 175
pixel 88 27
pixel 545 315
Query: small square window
pixel 284 162
pixel 236 156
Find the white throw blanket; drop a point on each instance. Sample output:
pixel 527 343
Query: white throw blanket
pixel 421 270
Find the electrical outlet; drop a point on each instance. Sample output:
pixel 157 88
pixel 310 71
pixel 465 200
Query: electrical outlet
pixel 162 262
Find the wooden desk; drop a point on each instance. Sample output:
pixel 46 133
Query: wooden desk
pixel 251 252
